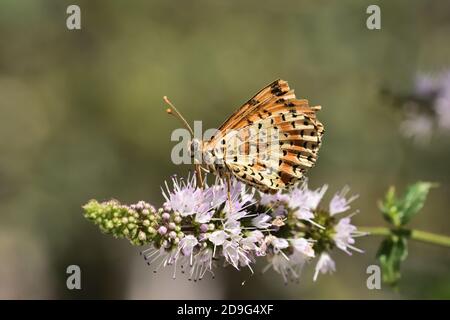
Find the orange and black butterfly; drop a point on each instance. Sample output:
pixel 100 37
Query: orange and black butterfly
pixel 269 143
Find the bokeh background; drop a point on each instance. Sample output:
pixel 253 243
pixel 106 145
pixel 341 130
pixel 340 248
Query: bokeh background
pixel 81 117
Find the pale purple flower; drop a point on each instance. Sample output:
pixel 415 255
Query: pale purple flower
pixel 283 266
pixel 324 265
pixel 339 203
pixel 233 227
pixel 162 257
pixel 443 107
pixel 268 199
pixel 344 234
pixel 256 234
pixel 216 194
pixel 204 217
pixel 303 246
pixel 262 221
pixel 290 267
pixel 187 244
pixel 305 201
pixel 218 237
pixel 279 243
pixel 201 263
pixel 249 243
pixel 231 253
pixel 252 240
pixel 186 198
pixel 419 124
pixel 426 85
pixel 277 202
pixel 241 199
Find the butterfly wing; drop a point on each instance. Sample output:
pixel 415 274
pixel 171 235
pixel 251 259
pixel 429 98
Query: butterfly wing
pixel 272 140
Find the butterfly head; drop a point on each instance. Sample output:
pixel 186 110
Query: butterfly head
pixel 195 150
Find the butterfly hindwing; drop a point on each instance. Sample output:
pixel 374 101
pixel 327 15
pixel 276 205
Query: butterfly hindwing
pixel 270 141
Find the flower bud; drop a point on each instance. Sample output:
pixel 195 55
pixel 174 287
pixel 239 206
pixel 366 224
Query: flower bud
pixel 166 216
pixel 142 236
pixel 162 230
pixel 172 234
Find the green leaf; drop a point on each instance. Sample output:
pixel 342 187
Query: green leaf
pixel 400 211
pixel 392 252
pixel 389 207
pixel 414 199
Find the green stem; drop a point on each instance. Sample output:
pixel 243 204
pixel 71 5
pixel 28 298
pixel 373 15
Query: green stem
pixel 418 235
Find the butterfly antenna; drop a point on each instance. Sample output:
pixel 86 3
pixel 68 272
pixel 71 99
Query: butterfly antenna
pixel 173 111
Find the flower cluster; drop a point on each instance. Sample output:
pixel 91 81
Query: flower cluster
pixel 198 228
pixel 428 107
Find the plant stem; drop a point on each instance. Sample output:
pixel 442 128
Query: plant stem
pixel 418 235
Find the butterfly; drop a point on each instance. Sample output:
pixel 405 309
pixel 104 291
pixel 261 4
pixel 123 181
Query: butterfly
pixel 269 143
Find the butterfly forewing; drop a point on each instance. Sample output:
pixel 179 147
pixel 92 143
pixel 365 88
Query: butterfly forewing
pixel 270 141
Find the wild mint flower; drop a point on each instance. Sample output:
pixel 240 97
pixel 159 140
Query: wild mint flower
pixel 262 221
pixel 339 203
pixel 197 228
pixel 305 201
pixel 235 254
pixel 241 199
pixel 443 103
pixel 252 241
pixel 187 244
pixel 302 246
pixel 324 265
pixel 308 228
pixel 427 110
pixel 345 234
pixel 201 263
pixel 417 126
pixel 279 243
pixel 218 237
pixel 284 266
pixel 277 202
pixel 185 197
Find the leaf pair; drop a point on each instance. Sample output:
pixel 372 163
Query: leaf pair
pixel 398 212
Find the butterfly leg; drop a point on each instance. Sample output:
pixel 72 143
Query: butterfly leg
pixel 198 172
pixel 229 190
pixel 205 170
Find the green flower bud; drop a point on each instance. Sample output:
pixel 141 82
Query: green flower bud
pixel 142 236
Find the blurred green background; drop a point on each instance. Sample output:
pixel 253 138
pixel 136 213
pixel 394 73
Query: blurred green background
pixel 81 117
